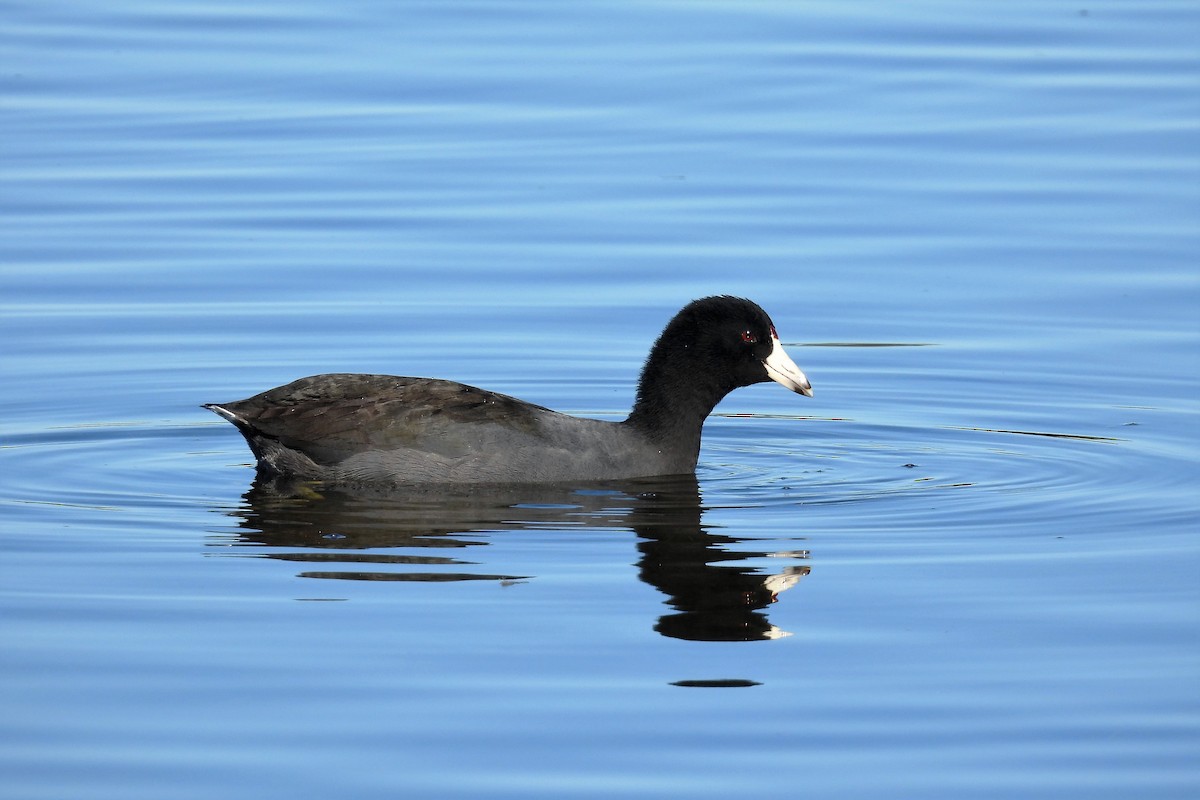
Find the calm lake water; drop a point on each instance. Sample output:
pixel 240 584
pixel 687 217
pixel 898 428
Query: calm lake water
pixel 966 568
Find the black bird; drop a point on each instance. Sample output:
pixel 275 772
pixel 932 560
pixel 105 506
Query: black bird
pixel 348 428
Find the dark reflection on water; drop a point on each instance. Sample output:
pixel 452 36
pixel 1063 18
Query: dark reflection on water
pixel 715 594
pixel 718 683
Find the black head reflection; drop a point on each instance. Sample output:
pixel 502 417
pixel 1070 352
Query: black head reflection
pixel 443 532
pixel 703 573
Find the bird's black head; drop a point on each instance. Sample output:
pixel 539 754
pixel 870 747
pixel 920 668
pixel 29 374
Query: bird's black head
pixel 711 347
pixel 735 341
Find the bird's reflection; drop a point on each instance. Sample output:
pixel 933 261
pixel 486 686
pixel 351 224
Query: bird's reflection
pixel 715 594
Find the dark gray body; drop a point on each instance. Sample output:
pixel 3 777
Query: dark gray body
pixel 349 428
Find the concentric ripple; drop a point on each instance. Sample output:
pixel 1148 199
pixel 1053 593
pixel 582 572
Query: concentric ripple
pixel 952 478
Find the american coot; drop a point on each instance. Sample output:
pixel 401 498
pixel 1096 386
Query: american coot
pixel 345 428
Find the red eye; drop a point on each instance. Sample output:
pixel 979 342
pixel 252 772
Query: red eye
pixel 749 338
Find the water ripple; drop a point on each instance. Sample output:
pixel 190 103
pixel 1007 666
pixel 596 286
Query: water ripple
pixel 949 477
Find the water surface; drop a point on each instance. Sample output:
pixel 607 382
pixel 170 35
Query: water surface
pixel 966 567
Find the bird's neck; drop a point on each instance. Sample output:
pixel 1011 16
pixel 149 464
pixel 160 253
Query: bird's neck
pixel 674 397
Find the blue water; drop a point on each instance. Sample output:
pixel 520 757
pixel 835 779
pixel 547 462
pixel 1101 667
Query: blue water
pixel 967 567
